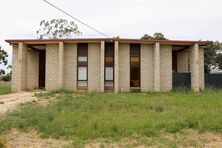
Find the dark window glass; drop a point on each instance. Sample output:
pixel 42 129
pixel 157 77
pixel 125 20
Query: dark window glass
pixel 174 61
pixel 135 65
pixel 135 49
pixel 82 49
pixel 109 49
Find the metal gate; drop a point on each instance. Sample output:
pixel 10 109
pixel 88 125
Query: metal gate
pixel 213 80
pixel 181 80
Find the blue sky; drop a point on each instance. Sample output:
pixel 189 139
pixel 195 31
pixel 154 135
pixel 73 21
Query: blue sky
pixel 177 19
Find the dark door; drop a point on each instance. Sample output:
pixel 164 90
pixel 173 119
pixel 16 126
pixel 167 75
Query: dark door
pixel 174 61
pixel 42 69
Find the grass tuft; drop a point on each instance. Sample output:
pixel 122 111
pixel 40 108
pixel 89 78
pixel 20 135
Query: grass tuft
pixel 2 142
pixel 5 89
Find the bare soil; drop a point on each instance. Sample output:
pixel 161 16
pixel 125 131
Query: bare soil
pixel 31 139
pixel 186 138
pixel 11 101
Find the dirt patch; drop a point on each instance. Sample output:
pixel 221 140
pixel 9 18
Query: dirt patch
pixel 186 138
pixel 213 140
pixel 31 139
pixel 11 101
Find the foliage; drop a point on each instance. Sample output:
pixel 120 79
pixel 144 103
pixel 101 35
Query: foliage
pixel 90 116
pixel 9 67
pixel 116 37
pixel 57 28
pixel 147 37
pixel 218 60
pixel 210 55
pixel 3 59
pixel 156 36
pixel 6 77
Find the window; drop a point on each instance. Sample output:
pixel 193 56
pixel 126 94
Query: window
pixel 134 65
pixel 82 73
pixel 82 65
pixel 109 66
pixel 109 73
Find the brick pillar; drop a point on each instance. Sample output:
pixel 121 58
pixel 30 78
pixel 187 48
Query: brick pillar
pixel 61 65
pixel 194 68
pixel 102 66
pixel 19 68
pixel 201 68
pixel 156 67
pixel 116 67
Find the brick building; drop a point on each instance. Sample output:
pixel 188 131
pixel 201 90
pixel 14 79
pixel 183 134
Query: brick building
pixel 104 64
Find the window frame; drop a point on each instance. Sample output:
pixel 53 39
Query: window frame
pixel 80 65
pixel 132 47
pixel 108 46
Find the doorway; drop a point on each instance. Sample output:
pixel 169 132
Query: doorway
pixel 42 58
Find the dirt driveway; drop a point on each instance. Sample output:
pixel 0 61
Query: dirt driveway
pixel 11 101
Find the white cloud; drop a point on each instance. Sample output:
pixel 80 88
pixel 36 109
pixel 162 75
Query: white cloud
pixel 177 19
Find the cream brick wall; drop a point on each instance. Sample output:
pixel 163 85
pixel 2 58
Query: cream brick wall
pixel 182 61
pixel 15 70
pixel 165 68
pixel 194 67
pixel 32 69
pixel 23 61
pixel 124 67
pixel 94 55
pixel 20 68
pixel 116 67
pixel 156 68
pixel 201 68
pixel 52 66
pixel 61 65
pixel 70 68
pixel 102 64
pixel 147 67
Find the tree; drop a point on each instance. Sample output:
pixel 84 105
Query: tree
pixel 147 37
pixel 3 59
pixel 210 55
pixel 57 29
pixel 218 61
pixel 159 36
pixel 116 37
pixel 156 36
pixel 9 67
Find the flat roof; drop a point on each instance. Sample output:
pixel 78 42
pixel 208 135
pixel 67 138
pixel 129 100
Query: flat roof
pixel 123 40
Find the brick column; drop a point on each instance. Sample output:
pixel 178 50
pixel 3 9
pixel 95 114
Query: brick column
pixel 201 68
pixel 157 67
pixel 194 68
pixel 102 66
pixel 61 65
pixel 116 67
pixel 19 69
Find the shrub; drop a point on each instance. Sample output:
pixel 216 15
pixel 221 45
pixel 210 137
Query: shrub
pixel 6 77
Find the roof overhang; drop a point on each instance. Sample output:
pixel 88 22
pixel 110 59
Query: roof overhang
pixel 97 40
